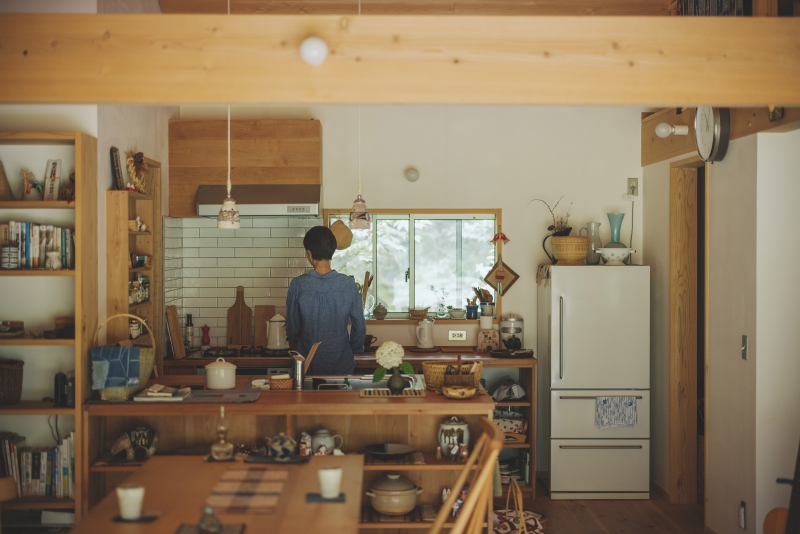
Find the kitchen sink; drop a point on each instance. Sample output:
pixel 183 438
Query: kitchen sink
pixel 346 383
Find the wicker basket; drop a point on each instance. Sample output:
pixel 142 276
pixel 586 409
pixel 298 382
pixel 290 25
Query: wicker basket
pixel 570 250
pixel 343 235
pixel 281 383
pixel 434 373
pixel 418 315
pixel 10 381
pixel 147 359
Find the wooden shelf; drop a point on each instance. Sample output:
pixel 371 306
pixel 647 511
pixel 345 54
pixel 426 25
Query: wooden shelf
pixel 131 232
pixel 35 408
pixel 138 196
pixel 398 523
pixel 39 503
pixel 39 138
pixel 513 403
pixel 27 341
pixel 114 468
pixel 388 321
pixel 140 269
pixel 36 204
pixel 431 464
pixel 36 272
pixel 133 307
pixel 515 445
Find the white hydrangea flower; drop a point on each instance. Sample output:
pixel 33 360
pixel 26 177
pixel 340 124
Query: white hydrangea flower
pixel 390 355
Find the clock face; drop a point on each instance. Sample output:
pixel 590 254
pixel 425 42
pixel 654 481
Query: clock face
pixel 704 131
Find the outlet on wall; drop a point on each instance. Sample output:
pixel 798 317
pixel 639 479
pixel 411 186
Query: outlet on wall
pixel 633 187
pixel 456 335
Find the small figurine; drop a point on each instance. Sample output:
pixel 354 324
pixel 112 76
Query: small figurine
pixel 138 224
pixel 129 187
pixel 222 450
pixel 322 451
pixel 438 453
pixel 419 458
pixel 305 444
pixel 463 455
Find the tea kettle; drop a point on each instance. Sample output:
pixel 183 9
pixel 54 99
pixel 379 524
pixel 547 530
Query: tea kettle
pixel 425 334
pixel 277 339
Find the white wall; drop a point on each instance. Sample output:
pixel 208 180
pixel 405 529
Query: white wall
pixel 777 430
pixel 48 6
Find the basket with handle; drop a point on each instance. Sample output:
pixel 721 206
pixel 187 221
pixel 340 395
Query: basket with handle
pixel 434 373
pixel 147 360
pixel 460 378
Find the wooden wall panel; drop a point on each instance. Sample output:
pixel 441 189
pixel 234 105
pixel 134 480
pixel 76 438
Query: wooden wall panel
pixel 410 59
pixel 262 151
pixel 683 336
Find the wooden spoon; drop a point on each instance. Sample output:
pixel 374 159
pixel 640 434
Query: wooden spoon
pixel 311 355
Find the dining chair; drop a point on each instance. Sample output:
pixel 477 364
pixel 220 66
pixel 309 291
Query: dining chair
pixel 476 510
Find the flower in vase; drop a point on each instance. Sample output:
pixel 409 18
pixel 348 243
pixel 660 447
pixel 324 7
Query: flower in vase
pixel 390 356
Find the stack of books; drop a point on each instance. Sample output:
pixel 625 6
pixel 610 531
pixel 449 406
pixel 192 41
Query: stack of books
pixel 36 240
pixel 162 393
pixel 39 471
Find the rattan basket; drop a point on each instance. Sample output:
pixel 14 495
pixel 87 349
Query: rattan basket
pixel 570 250
pixel 281 383
pixel 418 315
pixel 434 373
pixel 147 360
pixel 10 381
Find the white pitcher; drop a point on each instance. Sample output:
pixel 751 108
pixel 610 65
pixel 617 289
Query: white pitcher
pixel 425 334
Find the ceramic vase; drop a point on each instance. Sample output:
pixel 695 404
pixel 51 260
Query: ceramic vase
pixel 615 220
pixel 592 230
pixel 396 384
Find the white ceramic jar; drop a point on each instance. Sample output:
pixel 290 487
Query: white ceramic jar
pixel 220 375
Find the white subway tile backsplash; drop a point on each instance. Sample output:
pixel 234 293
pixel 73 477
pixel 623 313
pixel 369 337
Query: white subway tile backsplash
pixel 270 222
pixel 288 232
pixel 251 292
pixel 215 272
pixel 190 232
pixel 288 252
pixel 296 242
pixel 253 252
pixel 253 232
pixel 235 242
pixel 295 262
pixel 289 272
pixel 215 292
pixel 270 282
pixel 199 262
pixel 189 253
pixel 201 302
pixel 235 282
pixel 235 262
pixel 199 242
pixel 172 242
pixel 215 232
pixel 212 312
pixel 199 222
pixel 254 272
pixel 216 252
pixel 279 292
pixel 200 282
pixel 246 222
pixel 271 262
pixel 270 242
pixel 192 272
pixel 305 223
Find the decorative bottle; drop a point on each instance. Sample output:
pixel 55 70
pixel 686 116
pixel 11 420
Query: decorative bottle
pixel 222 450
pixel 615 219
pixel 189 336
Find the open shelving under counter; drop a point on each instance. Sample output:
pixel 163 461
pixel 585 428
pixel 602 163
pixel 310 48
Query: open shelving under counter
pixel 35 408
pixel 40 342
pixel 39 503
pixel 37 272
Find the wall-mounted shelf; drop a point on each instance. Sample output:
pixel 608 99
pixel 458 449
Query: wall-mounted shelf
pixel 36 204
pixel 28 341
pixel 36 272
pixel 39 503
pixel 35 408
pixel 140 269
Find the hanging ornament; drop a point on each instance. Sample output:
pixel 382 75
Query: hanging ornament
pixel 228 217
pixel 501 277
pixel 359 214
pixel 500 236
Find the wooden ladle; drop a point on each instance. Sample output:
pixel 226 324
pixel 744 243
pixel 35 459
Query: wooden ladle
pixel 311 356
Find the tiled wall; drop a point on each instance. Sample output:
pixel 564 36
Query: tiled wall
pixel 263 256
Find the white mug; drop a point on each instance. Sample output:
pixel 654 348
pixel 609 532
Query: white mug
pixel 130 498
pixel 485 322
pixel 330 482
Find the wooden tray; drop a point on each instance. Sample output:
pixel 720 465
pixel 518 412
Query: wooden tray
pixel 420 349
pixel 384 392
pixel 526 353
pixel 464 350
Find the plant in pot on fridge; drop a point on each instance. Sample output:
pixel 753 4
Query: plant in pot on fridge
pixel 567 250
pixel 390 358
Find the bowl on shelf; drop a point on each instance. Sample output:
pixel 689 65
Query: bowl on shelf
pixel 458 392
pixel 457 314
pixel 615 256
pixel 387 452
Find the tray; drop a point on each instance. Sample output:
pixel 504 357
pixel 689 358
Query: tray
pixel 522 353
pixel 420 349
pixel 384 392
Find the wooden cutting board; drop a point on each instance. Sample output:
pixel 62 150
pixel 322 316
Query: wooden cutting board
pixel 240 321
pixel 263 314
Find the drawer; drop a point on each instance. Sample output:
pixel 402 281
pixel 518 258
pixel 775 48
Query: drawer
pixel 572 415
pixel 584 465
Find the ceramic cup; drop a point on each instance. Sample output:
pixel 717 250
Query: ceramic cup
pixel 486 322
pixel 330 482
pixel 130 498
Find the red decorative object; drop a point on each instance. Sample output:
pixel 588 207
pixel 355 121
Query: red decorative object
pixel 206 340
pixel 500 237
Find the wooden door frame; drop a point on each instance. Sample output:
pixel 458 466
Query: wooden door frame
pixel 678 422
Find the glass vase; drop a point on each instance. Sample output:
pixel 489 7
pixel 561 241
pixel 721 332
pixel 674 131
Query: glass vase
pixel 615 219
pixel 441 310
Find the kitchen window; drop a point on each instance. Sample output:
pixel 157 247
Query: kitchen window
pixel 410 253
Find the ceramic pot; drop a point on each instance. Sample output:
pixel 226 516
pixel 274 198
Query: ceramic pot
pixel 380 311
pixel 457 314
pixel 396 384
pixel 323 437
pixel 220 375
pixel 393 495
pixel 453 433
pixel 615 219
pixel 281 447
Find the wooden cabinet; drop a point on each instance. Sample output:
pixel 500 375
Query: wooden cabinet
pixel 262 152
pixel 123 244
pixel 81 216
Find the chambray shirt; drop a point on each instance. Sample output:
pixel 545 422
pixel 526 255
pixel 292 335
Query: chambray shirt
pixel 317 309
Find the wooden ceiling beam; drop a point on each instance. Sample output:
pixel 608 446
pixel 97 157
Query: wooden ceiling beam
pixel 157 59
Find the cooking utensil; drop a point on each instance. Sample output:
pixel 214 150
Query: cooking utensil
pixel 393 495
pixel 388 451
pixel 240 321
pixel 174 331
pixel 277 338
pixel 220 375
pixel 263 314
pixel 311 356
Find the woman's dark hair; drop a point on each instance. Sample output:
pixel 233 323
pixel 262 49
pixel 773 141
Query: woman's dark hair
pixel 320 241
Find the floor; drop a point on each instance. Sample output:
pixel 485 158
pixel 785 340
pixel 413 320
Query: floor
pixel 655 516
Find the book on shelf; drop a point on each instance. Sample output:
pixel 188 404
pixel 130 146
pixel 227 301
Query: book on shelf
pixel 161 393
pixel 36 240
pixel 39 471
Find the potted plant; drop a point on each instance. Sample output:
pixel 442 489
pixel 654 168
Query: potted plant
pixel 390 358
pixel 441 297
pixel 559 229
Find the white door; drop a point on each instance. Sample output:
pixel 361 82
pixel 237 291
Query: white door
pixel 600 334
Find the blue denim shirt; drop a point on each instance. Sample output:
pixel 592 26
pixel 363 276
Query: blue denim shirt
pixel 317 309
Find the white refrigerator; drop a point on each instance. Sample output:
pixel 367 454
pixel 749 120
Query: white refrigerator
pixel 593 341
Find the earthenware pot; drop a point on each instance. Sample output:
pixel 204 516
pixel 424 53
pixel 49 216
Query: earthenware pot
pixel 393 495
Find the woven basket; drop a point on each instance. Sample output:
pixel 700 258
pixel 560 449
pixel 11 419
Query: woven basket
pixel 434 373
pixel 343 235
pixel 281 383
pixel 147 360
pixel 570 250
pixel 418 315
pixel 10 381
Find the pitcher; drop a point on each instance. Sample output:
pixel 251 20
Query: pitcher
pixel 592 230
pixel 425 334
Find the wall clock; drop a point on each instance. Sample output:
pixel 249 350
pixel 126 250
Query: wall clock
pixel 712 128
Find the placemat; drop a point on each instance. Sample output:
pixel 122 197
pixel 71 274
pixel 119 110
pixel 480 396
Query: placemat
pixel 238 528
pixel 384 392
pixel 317 497
pixel 259 459
pixel 203 395
pixel 420 349
pixel 248 490
pixel 146 517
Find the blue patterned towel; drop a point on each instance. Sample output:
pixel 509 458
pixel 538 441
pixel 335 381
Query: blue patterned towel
pixel 114 367
pixel 612 412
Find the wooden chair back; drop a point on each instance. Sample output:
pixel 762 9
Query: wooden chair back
pixel 8 489
pixel 476 510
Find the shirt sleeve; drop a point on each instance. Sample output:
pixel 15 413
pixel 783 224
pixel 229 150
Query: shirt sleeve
pixel 358 327
pixel 292 314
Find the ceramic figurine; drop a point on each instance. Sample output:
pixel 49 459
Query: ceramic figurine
pixel 438 453
pixel 53 262
pixel 321 451
pixel 281 447
pixel 305 444
pixel 463 455
pixel 222 450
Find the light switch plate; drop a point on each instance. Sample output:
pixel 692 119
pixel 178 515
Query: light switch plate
pixel 456 335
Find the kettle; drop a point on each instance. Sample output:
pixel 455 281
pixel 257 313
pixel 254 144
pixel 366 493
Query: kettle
pixel 425 334
pixel 277 339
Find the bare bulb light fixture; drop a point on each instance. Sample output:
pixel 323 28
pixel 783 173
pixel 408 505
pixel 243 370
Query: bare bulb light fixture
pixel 412 174
pixel 664 130
pixel 314 51
pixel 359 214
pixel 228 217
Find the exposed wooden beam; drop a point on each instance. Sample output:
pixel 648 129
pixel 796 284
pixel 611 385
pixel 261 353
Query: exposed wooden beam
pixel 383 59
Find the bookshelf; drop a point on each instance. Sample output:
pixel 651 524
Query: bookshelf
pixel 81 282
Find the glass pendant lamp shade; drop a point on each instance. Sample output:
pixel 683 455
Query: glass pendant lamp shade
pixel 359 215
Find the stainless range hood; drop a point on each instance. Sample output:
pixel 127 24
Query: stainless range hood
pixel 262 200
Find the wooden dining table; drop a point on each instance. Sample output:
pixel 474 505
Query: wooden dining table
pixel 176 487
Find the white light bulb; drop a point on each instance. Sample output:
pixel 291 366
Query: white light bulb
pixel 314 51
pixel 663 130
pixel 412 174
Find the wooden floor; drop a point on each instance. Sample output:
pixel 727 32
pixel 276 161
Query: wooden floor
pixel 655 516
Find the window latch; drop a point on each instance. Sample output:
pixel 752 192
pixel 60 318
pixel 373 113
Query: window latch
pixel 408 274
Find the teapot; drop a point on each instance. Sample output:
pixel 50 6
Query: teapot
pixel 281 447
pixel 323 437
pixel 277 339
pixel 425 334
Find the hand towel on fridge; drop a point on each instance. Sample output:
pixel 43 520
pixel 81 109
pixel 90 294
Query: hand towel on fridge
pixel 612 412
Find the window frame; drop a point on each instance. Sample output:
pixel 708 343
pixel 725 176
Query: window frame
pixel 432 213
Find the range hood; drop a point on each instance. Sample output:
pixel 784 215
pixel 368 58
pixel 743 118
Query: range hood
pixel 262 200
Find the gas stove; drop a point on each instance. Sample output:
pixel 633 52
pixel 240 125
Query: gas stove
pixel 245 352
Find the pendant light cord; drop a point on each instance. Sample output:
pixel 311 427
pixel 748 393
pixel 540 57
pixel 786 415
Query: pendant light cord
pixel 359 146
pixel 229 151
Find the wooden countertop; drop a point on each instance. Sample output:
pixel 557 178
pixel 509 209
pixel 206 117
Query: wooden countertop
pixel 177 486
pixel 291 402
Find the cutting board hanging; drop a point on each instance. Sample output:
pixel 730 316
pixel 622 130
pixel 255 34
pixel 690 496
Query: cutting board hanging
pixel 263 314
pixel 240 321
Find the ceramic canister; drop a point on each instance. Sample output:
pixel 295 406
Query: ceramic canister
pixel 453 433
pixel 220 375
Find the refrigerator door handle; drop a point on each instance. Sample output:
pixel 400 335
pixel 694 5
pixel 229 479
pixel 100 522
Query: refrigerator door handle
pixel 599 446
pixel 561 338
pixel 573 397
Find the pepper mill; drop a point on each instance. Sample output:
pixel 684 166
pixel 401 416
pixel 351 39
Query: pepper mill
pixel 206 341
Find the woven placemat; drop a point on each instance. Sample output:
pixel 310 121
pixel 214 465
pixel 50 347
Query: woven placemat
pixel 384 392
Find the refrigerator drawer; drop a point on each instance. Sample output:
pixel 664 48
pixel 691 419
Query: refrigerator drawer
pixel 598 465
pixel 572 415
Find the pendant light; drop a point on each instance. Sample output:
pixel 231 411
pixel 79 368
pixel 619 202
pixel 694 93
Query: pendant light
pixel 359 214
pixel 228 217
